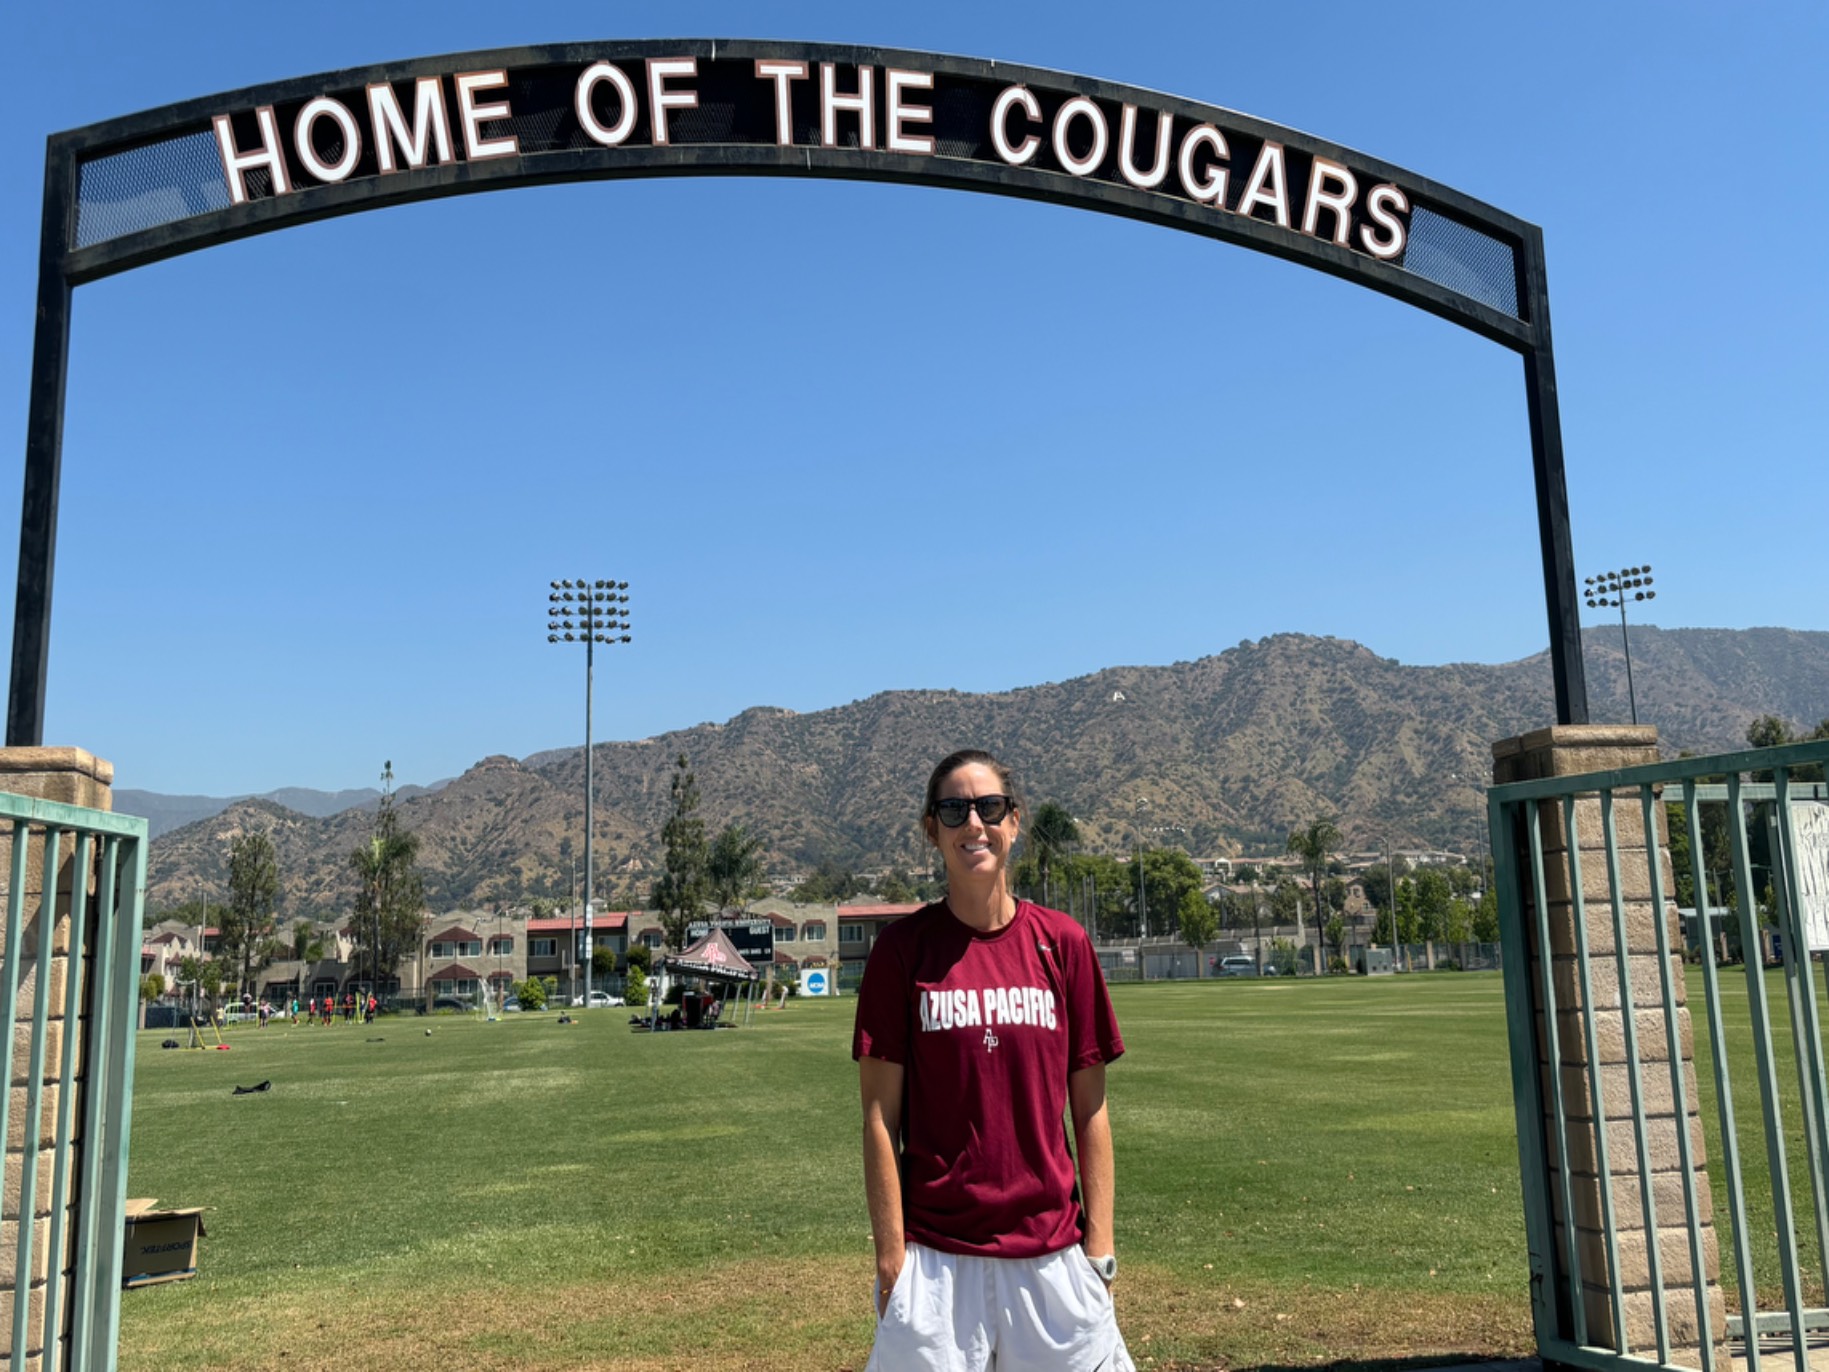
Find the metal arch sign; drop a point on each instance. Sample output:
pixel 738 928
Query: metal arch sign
pixel 136 190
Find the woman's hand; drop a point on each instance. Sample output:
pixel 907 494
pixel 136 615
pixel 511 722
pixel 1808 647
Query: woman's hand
pixel 888 1268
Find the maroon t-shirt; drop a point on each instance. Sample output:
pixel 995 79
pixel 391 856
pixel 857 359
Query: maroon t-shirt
pixel 986 1028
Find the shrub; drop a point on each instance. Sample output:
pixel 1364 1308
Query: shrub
pixel 532 993
pixel 636 993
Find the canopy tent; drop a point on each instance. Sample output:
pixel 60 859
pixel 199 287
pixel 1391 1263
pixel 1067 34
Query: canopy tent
pixel 712 958
pixel 715 957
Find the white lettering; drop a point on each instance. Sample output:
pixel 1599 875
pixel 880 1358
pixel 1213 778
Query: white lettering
pixel 431 125
pixel 1211 191
pixel 660 99
pixel 588 81
pixel 1080 108
pixel 1016 154
pixel 974 1012
pixel 323 107
pixel 1127 150
pixel 1268 186
pixel 959 1002
pixel 1383 204
pixel 997 1006
pixel 235 162
pixel 899 112
pixel 1048 1007
pixel 472 115
pixel 862 103
pixel 1340 200
pixel 781 73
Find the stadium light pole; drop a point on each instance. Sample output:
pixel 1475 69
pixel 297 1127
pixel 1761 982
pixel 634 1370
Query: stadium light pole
pixel 1609 589
pixel 588 612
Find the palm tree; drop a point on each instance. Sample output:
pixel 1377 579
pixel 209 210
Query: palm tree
pixel 734 866
pixel 1314 845
pixel 307 948
pixel 1051 836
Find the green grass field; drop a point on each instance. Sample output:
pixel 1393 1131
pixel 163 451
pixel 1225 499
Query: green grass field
pixel 1307 1172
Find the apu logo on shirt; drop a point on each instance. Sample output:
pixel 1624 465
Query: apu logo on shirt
pixel 968 1008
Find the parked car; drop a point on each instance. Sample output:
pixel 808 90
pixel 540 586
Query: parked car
pixel 600 1000
pixel 510 1006
pixel 451 1003
pixel 1238 965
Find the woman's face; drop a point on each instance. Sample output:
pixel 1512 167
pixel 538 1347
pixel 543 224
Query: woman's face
pixel 975 850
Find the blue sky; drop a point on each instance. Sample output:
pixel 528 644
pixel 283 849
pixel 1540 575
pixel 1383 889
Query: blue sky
pixel 315 483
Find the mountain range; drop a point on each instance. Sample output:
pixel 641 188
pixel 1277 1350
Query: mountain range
pixel 1224 754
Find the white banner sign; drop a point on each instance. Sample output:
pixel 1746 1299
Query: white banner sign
pixel 1810 850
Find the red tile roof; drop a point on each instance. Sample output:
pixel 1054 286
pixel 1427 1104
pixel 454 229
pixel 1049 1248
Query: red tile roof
pixel 618 919
pixel 877 911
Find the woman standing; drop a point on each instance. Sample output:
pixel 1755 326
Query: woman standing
pixel 980 1021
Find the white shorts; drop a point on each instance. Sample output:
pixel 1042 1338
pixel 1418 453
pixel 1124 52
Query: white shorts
pixel 951 1313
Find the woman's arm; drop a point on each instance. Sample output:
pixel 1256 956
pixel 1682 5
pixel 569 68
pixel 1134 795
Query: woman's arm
pixel 1092 1138
pixel 882 1090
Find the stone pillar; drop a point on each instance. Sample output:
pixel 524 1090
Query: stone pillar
pixel 1570 750
pixel 73 777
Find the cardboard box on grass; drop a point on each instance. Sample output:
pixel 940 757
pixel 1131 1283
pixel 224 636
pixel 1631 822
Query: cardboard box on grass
pixel 161 1244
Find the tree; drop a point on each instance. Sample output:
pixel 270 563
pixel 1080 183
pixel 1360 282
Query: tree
pixel 1281 955
pixel 1377 882
pixel 829 883
pixel 1770 731
pixel 1168 876
pixel 1199 922
pixel 895 889
pixel 307 943
pixel 1097 889
pixel 639 957
pixel 636 990
pixel 1335 933
pixel 1433 897
pixel 152 986
pixel 679 891
pixel 733 867
pixel 244 937
pixel 1314 845
pixel 1486 916
pixel 390 895
pixel 1052 835
pixel 532 994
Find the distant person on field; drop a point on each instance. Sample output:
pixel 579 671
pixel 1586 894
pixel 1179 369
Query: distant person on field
pixel 981 1021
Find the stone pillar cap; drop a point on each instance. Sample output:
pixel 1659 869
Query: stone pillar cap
pixel 1578 736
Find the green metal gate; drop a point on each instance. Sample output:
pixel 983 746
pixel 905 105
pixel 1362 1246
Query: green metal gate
pixel 76 885
pixel 1635 1117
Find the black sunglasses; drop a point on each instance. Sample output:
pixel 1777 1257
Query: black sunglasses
pixel 991 809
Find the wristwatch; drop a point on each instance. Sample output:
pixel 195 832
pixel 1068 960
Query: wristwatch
pixel 1106 1267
